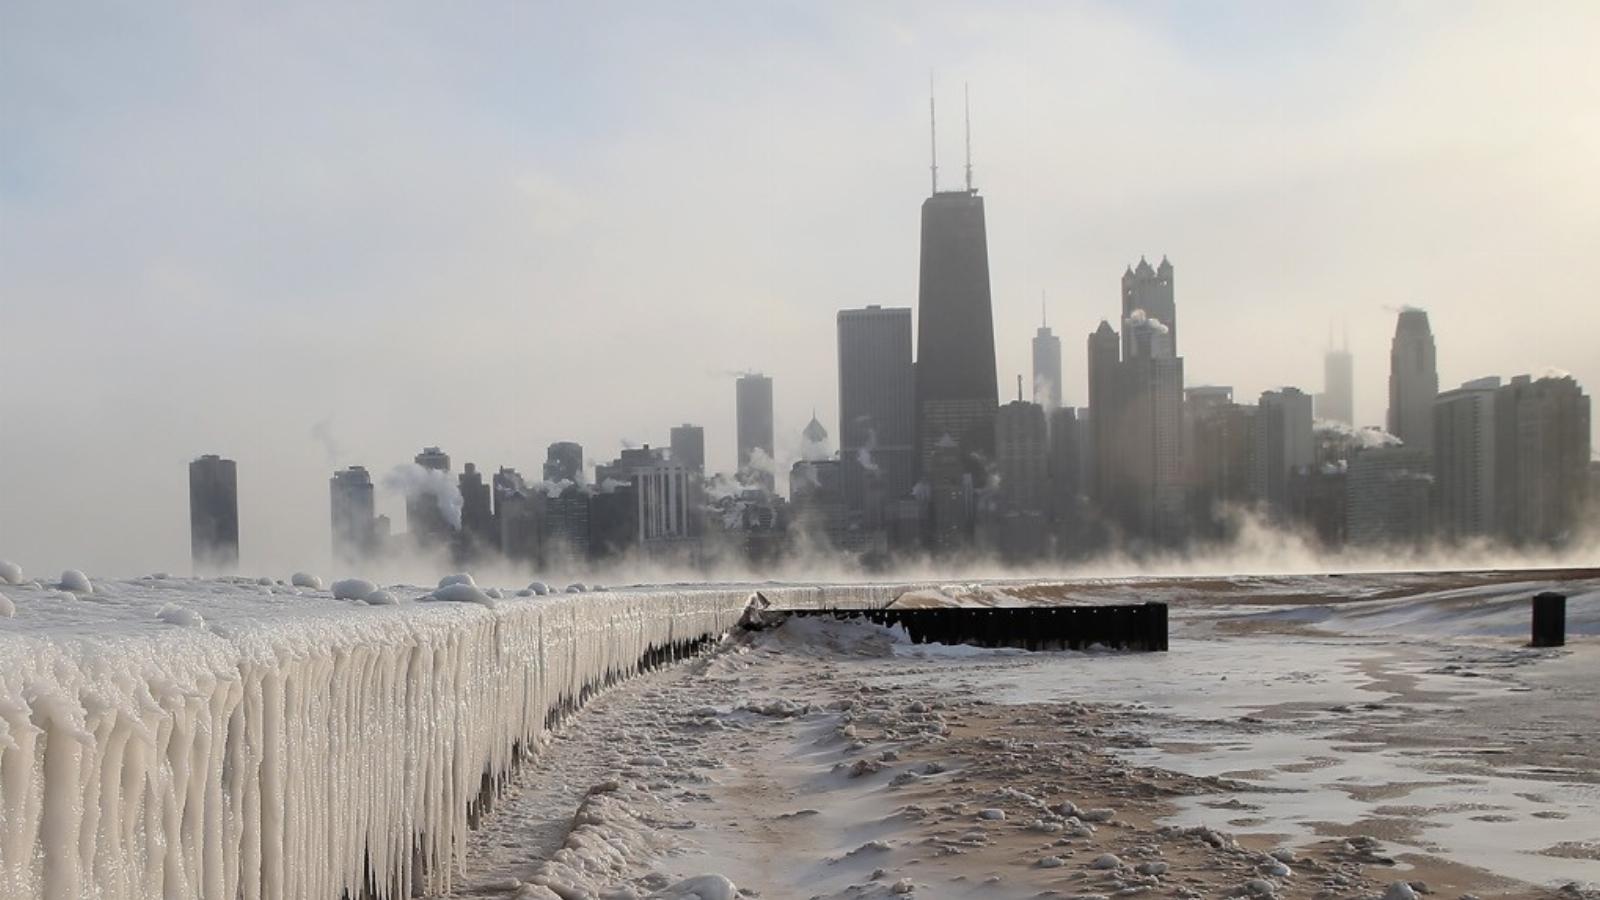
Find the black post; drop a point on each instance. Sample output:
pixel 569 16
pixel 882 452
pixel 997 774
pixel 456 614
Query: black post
pixel 1549 619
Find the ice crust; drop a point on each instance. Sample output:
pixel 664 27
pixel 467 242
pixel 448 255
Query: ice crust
pixel 276 742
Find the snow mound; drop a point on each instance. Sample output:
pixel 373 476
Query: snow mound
pixel 380 598
pixel 460 592
pixel 700 887
pixel 10 572
pixel 306 580
pixel 458 578
pixel 575 588
pixel 76 582
pixel 352 589
pixel 7 608
pixel 539 587
pixel 173 614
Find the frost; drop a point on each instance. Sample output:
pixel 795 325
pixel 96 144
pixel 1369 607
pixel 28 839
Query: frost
pixel 353 589
pixel 76 582
pixel 306 580
pixel 10 572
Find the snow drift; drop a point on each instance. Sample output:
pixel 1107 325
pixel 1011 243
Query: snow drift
pixel 278 744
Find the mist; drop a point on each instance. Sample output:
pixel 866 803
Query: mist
pixel 259 238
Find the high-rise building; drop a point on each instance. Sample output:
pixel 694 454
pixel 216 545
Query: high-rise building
pixel 689 447
pixel 877 405
pixel 1542 453
pixel 477 512
pixel 1388 496
pixel 753 393
pixel 355 535
pixel 814 441
pixel 427 502
pixel 1336 403
pixel 563 461
pixel 1413 380
pixel 1464 459
pixel 1284 445
pixel 214 514
pixel 1046 367
pixel 1105 410
pixel 519 516
pixel 1022 455
pixel 1219 454
pixel 957 391
pixel 1148 429
pixel 1149 291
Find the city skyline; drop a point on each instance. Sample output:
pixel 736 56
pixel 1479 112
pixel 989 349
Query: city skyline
pixel 437 364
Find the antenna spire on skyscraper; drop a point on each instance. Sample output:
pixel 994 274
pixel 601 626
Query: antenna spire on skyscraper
pixel 933 139
pixel 966 104
pixel 1044 321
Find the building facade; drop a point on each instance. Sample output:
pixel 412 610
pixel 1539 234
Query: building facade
pixel 1149 290
pixel 1542 454
pixel 1413 380
pixel 1464 459
pixel 214 515
pixel 354 516
pixel 753 410
pixel 877 406
pixel 1046 368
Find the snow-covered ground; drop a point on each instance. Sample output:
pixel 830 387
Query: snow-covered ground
pixel 1305 736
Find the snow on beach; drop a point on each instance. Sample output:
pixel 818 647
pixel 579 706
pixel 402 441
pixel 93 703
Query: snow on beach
pixel 260 738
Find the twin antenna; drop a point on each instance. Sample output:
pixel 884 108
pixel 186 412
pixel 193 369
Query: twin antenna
pixel 933 135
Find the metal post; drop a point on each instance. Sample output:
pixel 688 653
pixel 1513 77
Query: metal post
pixel 1549 619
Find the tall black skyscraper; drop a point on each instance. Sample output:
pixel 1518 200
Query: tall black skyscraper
pixel 957 391
pixel 754 414
pixel 354 519
pixel 689 447
pixel 214 514
pixel 877 409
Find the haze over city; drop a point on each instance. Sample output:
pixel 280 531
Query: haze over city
pixel 336 236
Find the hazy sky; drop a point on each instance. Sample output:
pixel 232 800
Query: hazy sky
pixel 330 234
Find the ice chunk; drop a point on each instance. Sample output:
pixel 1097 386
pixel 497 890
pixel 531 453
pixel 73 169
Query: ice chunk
pixel 539 587
pixel 306 580
pixel 701 887
pixel 458 578
pixel 76 582
pixel 10 572
pixel 460 592
pixel 7 608
pixel 575 588
pixel 173 614
pixel 379 598
pixel 352 589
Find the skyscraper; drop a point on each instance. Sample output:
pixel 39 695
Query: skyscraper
pixel 1388 495
pixel 957 391
pixel 877 404
pixel 1149 432
pixel 1022 455
pixel 213 514
pixel 1046 367
pixel 689 447
pixel 1283 442
pixel 1105 402
pixel 753 395
pixel 1150 290
pixel 427 501
pixel 1413 380
pixel 354 518
pixel 1336 403
pixel 1464 458
pixel 1542 452
pixel 477 511
pixel 563 461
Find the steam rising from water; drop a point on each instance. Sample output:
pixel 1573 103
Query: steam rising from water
pixel 416 482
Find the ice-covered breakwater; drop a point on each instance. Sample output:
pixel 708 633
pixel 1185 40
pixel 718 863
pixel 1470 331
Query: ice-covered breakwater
pixel 186 738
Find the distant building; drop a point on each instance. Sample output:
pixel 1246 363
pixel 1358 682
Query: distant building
pixel 1413 380
pixel 817 505
pixel 1336 403
pixel 1219 455
pixel 1022 457
pixel 1542 454
pixel 753 394
pixel 957 391
pixel 877 406
pixel 1388 497
pixel 1046 368
pixel 563 461
pixel 1148 494
pixel 689 447
pixel 520 517
pixel 1105 410
pixel 1283 445
pixel 214 514
pixel 1464 459
pixel 354 517
pixel 1066 500
pixel 426 505
pixel 1149 291
pixel 478 530
pixel 814 440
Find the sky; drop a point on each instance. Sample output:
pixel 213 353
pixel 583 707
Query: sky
pixel 313 235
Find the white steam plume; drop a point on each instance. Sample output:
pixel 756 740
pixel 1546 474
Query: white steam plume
pixel 417 482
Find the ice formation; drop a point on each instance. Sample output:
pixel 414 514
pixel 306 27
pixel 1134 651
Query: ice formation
pixel 306 580
pixel 10 572
pixel 352 589
pixel 76 582
pixel 7 608
pixel 291 745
